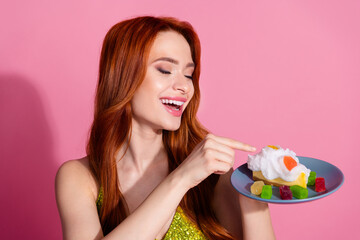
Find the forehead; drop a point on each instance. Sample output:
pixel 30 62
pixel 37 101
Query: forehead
pixel 170 44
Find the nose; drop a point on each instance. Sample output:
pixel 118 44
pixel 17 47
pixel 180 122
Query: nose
pixel 182 84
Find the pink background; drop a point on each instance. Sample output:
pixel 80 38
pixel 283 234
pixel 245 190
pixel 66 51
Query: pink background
pixel 273 72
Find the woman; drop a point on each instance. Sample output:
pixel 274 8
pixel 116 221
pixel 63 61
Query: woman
pixel 152 171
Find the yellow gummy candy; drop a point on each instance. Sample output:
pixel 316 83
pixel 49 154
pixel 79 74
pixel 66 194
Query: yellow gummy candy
pixel 256 187
pixel 273 147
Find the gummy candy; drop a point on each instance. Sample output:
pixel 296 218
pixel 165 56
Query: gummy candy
pixel 299 192
pixel 256 187
pixel 285 193
pixel 320 184
pixel 311 179
pixel 266 192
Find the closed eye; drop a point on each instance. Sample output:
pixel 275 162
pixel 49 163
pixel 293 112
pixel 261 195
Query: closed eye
pixel 164 71
pixel 189 77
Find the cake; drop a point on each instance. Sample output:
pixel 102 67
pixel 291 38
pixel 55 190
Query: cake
pixel 277 166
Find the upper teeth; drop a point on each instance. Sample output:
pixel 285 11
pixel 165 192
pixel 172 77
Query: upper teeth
pixel 167 101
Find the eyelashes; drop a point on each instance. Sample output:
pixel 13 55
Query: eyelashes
pixel 167 73
pixel 189 77
pixel 163 71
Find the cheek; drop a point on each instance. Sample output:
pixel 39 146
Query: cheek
pixel 190 94
pixel 153 83
pixel 192 90
pixel 148 92
pixel 136 103
pixel 141 97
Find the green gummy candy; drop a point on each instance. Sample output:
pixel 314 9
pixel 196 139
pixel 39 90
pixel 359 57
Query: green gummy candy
pixel 299 192
pixel 266 192
pixel 311 179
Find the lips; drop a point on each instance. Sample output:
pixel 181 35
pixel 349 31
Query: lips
pixel 173 105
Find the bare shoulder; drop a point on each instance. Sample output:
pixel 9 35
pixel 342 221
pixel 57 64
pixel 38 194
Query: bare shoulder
pixel 76 174
pixel 78 165
pixel 76 193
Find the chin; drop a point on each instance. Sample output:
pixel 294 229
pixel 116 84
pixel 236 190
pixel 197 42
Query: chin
pixel 171 126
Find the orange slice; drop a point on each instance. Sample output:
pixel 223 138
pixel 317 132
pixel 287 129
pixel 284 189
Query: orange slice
pixel 289 162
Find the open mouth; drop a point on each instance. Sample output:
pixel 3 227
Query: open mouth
pixel 172 104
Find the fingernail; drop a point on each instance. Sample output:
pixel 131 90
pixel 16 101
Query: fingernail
pixel 253 148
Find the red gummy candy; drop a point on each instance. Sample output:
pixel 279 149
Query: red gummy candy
pixel 285 193
pixel 320 184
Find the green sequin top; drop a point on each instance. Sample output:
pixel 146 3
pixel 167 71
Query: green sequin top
pixel 181 226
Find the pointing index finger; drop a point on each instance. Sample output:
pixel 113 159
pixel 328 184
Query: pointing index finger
pixel 235 144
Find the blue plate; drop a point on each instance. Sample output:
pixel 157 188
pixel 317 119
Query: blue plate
pixel 241 179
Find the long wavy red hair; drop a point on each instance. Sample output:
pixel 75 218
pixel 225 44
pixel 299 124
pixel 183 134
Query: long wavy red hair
pixel 122 69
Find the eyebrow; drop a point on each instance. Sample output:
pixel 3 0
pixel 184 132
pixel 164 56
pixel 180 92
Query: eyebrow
pixel 173 61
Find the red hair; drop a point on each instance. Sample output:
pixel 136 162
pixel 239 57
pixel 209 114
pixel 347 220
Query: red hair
pixel 122 69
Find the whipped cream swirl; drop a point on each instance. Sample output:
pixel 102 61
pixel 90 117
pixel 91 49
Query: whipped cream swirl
pixel 270 161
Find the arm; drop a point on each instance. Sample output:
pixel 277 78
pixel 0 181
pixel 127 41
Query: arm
pixel 78 212
pixel 241 216
pixel 76 201
pixel 154 212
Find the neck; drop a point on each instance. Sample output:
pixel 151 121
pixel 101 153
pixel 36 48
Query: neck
pixel 144 149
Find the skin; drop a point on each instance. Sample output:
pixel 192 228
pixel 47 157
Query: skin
pixel 145 182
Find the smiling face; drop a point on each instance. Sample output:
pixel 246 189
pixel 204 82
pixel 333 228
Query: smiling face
pixel 167 87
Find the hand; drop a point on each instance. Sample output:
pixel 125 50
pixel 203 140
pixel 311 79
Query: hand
pixel 212 155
